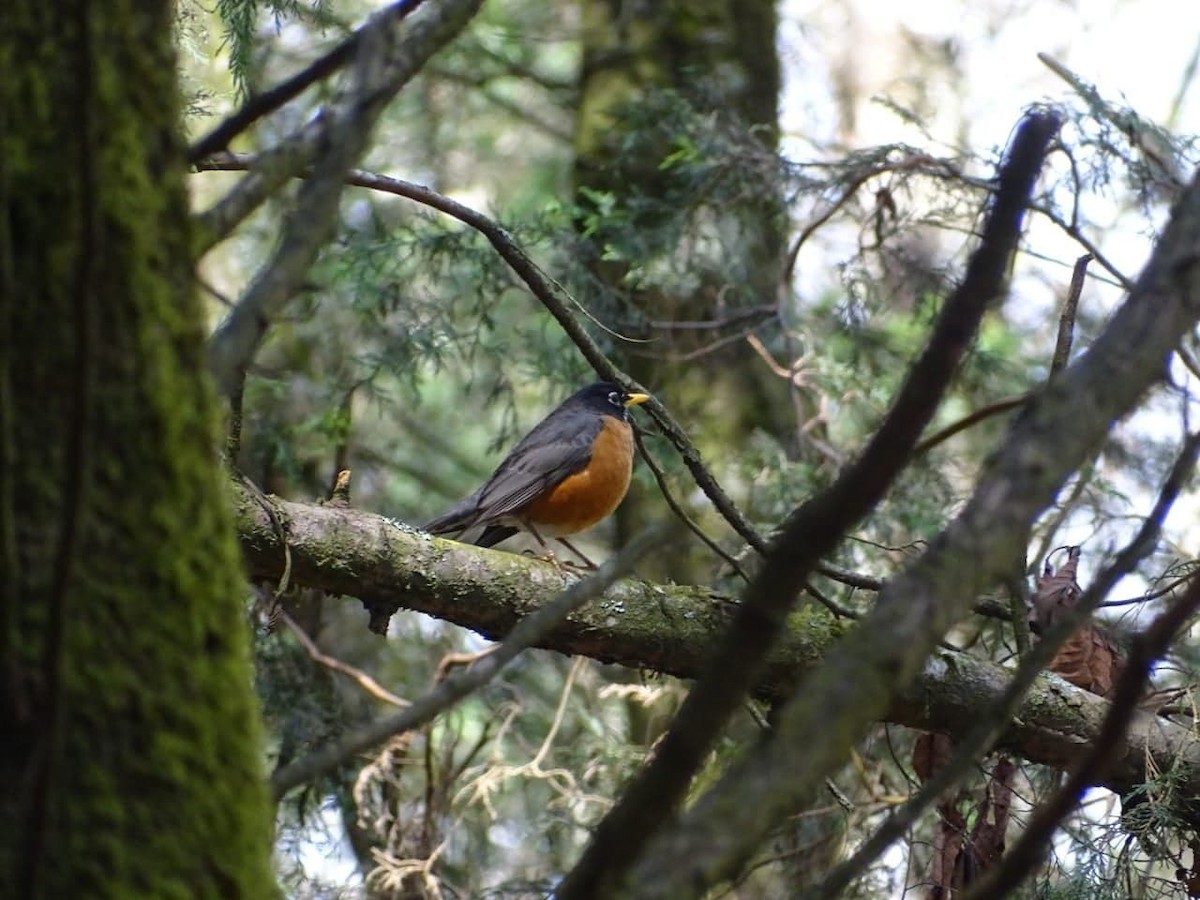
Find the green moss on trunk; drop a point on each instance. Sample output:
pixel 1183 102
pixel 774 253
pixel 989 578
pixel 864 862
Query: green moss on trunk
pixel 131 763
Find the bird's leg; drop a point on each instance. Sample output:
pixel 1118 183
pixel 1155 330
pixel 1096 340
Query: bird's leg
pixel 549 557
pixel 550 553
pixel 528 526
pixel 587 562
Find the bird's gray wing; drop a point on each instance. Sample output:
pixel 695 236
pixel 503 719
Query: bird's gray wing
pixel 534 466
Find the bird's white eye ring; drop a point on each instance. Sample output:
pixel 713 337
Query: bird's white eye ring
pixel 615 399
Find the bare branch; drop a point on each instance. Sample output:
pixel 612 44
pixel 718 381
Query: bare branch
pixel 835 705
pixel 660 478
pixel 358 676
pixel 1072 230
pixel 1066 322
pixel 268 101
pixel 809 533
pixel 982 414
pixel 671 629
pixel 384 60
pixel 849 578
pixel 527 632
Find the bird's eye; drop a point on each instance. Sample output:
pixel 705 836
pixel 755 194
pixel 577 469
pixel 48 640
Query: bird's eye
pixel 614 398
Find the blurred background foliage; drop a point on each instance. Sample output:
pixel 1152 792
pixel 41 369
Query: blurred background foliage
pixel 770 283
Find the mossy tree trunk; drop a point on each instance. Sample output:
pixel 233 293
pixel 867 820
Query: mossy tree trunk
pixel 129 764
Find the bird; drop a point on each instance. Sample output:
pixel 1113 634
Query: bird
pixel 568 473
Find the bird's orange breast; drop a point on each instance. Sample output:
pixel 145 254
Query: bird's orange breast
pixel 584 498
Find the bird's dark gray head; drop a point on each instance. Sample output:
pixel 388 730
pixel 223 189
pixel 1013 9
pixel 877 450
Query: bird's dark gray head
pixel 606 397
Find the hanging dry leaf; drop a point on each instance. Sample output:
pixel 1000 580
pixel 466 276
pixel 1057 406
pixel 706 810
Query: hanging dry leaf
pixel 930 753
pixel 1090 659
pixel 945 866
pixel 1056 592
pixel 959 858
pixel 991 825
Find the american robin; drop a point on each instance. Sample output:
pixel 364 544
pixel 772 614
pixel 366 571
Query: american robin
pixel 568 473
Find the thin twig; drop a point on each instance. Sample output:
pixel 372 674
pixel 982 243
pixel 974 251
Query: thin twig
pixel 851 189
pixel 848 577
pixel 1084 241
pixel 1153 595
pixel 980 415
pixel 268 101
pixel 831 605
pixel 358 676
pixel 755 314
pixel 660 477
pixel 1066 322
pixel 708 349
pixel 451 661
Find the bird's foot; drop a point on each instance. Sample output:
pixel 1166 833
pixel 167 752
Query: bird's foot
pixel 566 566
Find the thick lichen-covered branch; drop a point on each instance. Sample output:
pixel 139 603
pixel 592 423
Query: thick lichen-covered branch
pixel 668 628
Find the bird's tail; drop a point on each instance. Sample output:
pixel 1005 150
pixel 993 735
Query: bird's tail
pixel 464 516
pixel 458 518
pixel 494 534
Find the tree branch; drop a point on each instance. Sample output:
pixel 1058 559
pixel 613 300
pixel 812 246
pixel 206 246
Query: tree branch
pixel 836 705
pixel 523 635
pixel 811 532
pixel 268 101
pixel 1066 321
pixel 384 60
pixel 672 629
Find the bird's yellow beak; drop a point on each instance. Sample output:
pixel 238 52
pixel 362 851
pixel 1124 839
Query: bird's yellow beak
pixel 636 399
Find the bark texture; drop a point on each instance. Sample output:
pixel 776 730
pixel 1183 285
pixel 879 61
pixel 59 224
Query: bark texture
pixel 130 760
pixel 675 629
